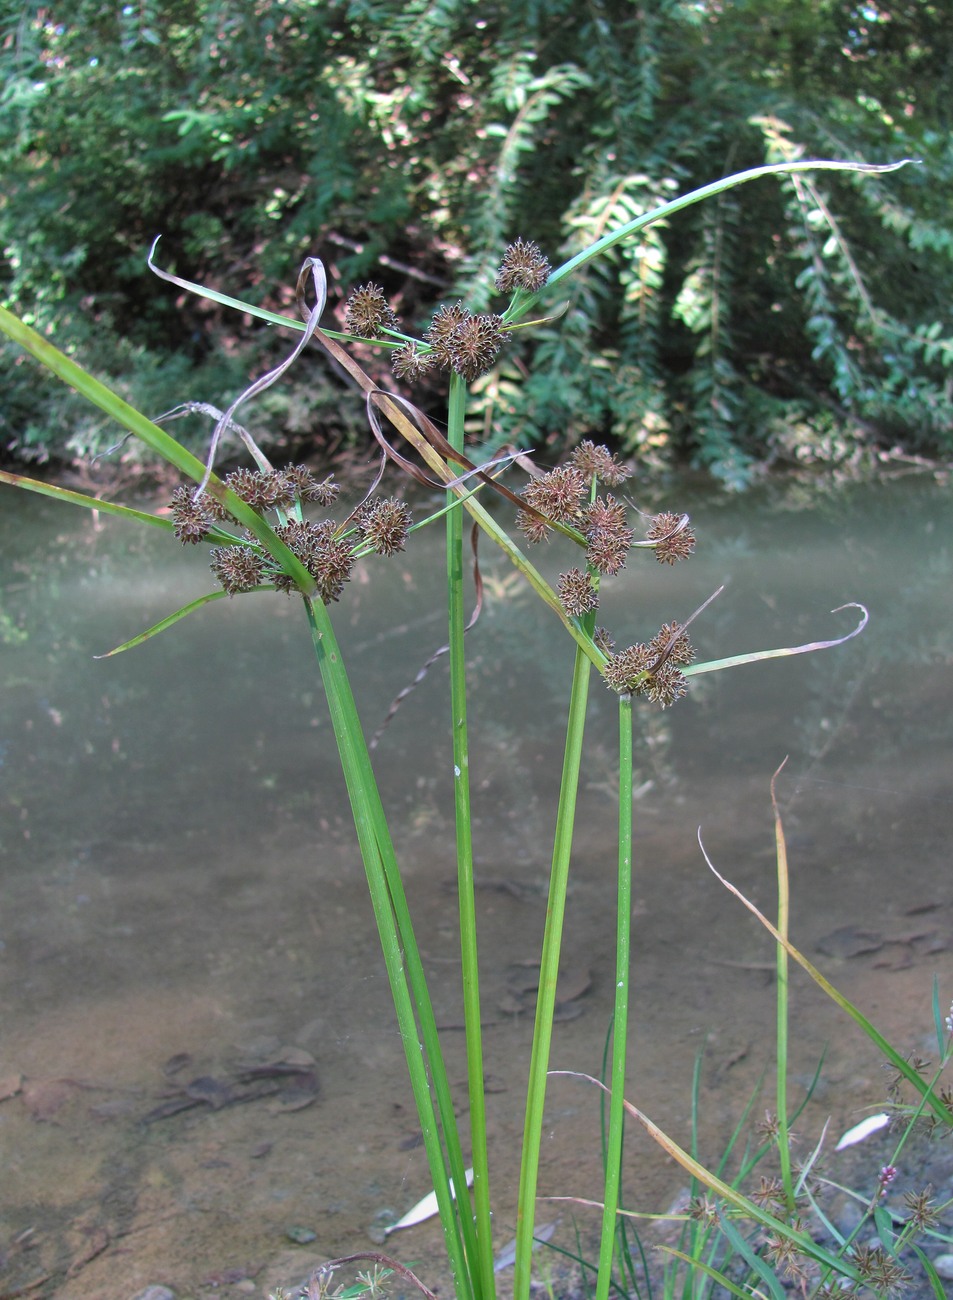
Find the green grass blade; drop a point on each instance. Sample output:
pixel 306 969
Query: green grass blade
pixel 169 621
pixel 736 661
pixel 549 969
pixel 941 1035
pixel 83 499
pixel 523 303
pixel 781 1003
pixel 933 1277
pixel 157 439
pixel 401 956
pixel 699 1265
pixel 754 1262
pixel 898 1062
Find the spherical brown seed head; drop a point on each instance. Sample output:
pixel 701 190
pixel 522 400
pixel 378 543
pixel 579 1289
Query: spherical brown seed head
pixel 444 325
pixel 367 312
pixel 192 516
pixel 261 489
pixel 682 651
pixel 607 553
pixel 606 517
pixel 532 527
pixel 673 538
pixel 474 345
pixel 238 568
pixel 410 363
pixel 598 463
pixel 523 267
pixel 577 594
pixel 384 525
pixel 557 494
pixel 623 671
pixel 665 686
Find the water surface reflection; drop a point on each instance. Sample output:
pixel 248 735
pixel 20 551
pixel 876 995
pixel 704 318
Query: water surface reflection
pixel 181 893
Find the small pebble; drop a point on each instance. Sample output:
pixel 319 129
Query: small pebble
pixel 300 1236
pixel 944 1266
pixel 155 1293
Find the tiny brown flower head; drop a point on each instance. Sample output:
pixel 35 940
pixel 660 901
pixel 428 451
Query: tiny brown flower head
pixel 238 568
pixel 474 344
pixel 326 556
pixel 557 494
pixel 192 514
pixel 443 328
pixel 604 640
pixel 879 1270
pixel 523 267
pixel 577 594
pixel 367 312
pixel 532 527
pixel 784 1253
pixel 606 516
pixel 770 1193
pixel 261 489
pixel 302 484
pixel 672 643
pixel 922 1207
pixel 703 1210
pixel 332 569
pixel 624 671
pixel 598 463
pixel 607 554
pixel 665 685
pixel 673 538
pixel 384 525
pixel 410 363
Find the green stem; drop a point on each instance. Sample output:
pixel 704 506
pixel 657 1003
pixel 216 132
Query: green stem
pixel 401 955
pixel 620 1017
pixel 549 970
pixel 784 899
pixel 483 1265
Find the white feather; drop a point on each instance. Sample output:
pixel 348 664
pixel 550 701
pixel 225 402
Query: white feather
pixel 424 1209
pixel 872 1124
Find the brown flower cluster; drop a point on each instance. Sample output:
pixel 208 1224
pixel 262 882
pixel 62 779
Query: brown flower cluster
pixel 324 548
pixel 653 670
pixel 193 514
pixel 557 495
pixel 324 553
pixel 408 362
pixel 367 312
pixel 238 568
pixel 384 525
pixel 607 535
pixel 463 342
pixel 673 538
pixel 566 495
pixel 594 462
pixel 523 267
pixel 577 593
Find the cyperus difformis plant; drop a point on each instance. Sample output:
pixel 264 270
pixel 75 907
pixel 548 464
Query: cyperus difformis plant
pixel 313 558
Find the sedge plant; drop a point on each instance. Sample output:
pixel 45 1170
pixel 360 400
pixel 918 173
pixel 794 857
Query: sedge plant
pixel 264 539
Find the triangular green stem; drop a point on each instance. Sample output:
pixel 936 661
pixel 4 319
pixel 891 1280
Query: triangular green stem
pixel 548 974
pixel 484 1281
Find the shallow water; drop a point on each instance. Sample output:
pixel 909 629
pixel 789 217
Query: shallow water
pixel 180 876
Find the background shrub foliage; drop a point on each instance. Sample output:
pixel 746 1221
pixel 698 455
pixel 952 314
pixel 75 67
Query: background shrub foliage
pixel 407 141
